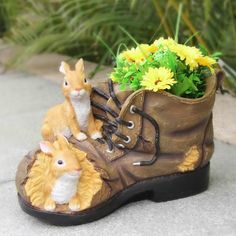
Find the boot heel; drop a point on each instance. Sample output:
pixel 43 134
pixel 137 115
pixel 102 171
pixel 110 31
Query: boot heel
pixel 181 185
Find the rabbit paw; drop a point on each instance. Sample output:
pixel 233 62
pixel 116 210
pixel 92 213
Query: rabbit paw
pixel 49 205
pixel 81 136
pixel 96 135
pixel 74 204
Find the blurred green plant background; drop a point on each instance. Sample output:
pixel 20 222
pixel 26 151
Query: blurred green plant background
pixel 80 28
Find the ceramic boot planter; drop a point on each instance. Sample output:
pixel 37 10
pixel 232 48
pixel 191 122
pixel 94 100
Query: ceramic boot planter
pixel 155 144
pixel 146 132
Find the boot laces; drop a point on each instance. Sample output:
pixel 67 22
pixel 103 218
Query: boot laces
pixel 110 127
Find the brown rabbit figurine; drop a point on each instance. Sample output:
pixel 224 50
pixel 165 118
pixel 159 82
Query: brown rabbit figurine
pixel 61 174
pixel 74 116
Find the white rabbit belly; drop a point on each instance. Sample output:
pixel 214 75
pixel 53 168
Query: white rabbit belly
pixel 65 188
pixel 82 109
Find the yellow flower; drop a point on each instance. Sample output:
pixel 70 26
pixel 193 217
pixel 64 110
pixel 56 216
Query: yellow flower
pixel 192 55
pixel 158 79
pixel 129 55
pixel 166 43
pixel 206 61
pixel 189 54
pixel 147 49
pixel 140 53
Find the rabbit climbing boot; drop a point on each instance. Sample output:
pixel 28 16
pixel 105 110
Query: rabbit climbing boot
pixel 155 146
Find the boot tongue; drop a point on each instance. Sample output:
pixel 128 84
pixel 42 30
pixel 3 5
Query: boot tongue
pixel 121 96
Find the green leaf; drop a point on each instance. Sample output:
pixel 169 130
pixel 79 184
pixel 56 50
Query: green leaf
pixel 122 87
pixel 216 55
pixel 182 86
pixel 203 50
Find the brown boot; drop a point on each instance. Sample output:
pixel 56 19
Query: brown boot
pixel 155 144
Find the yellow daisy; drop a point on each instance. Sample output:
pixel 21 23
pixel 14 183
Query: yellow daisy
pixel 147 49
pixel 128 54
pixel 189 54
pixel 192 55
pixel 206 61
pixel 140 53
pixel 164 42
pixel 158 79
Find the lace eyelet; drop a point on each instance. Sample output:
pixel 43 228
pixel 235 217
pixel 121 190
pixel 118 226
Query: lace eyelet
pixel 110 151
pixel 131 126
pixel 121 145
pixel 128 139
pixel 131 109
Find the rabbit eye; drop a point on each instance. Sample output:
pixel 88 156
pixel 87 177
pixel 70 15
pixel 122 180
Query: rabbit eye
pixel 66 83
pixel 60 162
pixel 85 80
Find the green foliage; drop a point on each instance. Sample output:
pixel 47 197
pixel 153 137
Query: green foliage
pixel 9 9
pixel 128 74
pixel 190 85
pixel 72 25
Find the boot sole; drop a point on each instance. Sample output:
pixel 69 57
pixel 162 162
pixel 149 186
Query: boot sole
pixel 163 188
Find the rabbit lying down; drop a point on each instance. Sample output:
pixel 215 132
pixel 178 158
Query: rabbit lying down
pixel 62 176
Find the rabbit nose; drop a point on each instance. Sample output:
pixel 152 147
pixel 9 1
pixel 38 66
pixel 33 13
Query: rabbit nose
pixel 79 169
pixel 78 89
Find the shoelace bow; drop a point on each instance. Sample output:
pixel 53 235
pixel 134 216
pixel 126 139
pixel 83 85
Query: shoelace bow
pixel 110 127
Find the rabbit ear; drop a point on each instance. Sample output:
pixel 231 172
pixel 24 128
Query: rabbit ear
pixel 46 147
pixel 79 66
pixel 64 67
pixel 62 141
